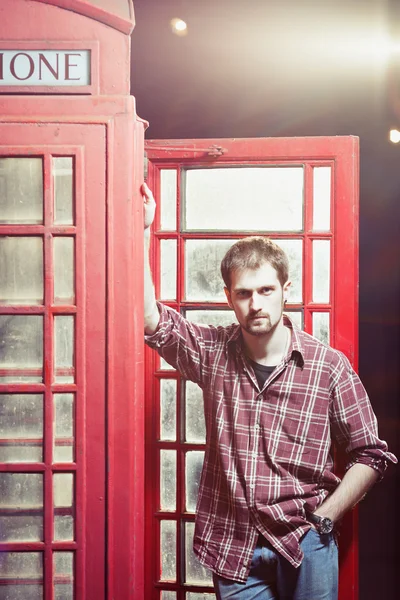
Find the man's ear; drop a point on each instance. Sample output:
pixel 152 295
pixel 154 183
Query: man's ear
pixel 286 289
pixel 228 297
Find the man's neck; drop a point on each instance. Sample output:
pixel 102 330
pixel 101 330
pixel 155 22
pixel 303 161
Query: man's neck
pixel 270 348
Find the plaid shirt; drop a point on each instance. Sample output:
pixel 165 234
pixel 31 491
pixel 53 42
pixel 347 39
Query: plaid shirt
pixel 268 454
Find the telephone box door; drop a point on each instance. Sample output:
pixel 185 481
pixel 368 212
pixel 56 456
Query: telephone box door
pixel 303 193
pixel 52 361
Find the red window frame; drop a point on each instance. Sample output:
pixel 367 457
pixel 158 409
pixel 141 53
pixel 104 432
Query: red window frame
pixel 86 144
pixel 341 153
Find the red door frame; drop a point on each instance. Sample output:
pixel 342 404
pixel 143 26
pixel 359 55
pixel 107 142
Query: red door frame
pixel 342 154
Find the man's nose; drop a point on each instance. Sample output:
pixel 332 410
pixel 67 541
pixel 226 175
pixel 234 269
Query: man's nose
pixel 255 301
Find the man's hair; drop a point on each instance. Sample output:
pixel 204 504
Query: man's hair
pixel 251 253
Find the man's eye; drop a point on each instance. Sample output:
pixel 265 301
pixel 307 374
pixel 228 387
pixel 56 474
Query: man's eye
pixel 266 290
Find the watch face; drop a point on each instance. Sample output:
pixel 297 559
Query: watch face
pixel 325 525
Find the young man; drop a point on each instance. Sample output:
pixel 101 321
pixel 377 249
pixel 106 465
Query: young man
pixel 274 399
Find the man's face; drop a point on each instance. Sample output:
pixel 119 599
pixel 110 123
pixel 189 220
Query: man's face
pixel 257 298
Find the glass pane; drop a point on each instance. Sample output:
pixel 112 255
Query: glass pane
pixel 168 595
pixel 64 349
pixel 203 281
pixel 63 190
pixel 168 409
pixel 21 428
pixel 321 270
pixel 21 268
pixel 212 317
pixel 21 190
pixel 195 573
pixel 296 316
pixel 168 550
pixel 194 466
pixel 200 596
pixel 195 426
pixel 321 326
pixel 168 194
pixel 21 507
pixel 63 447
pixel 21 356
pixel 168 480
pixel 64 270
pixel 165 366
pixel 63 492
pixel 168 249
pixel 322 199
pixel 214 199
pixel 27 567
pixel 63 565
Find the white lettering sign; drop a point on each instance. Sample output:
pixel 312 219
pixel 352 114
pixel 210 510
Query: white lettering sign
pixel 44 67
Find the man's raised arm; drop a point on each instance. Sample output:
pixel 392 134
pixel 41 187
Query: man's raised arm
pixel 151 314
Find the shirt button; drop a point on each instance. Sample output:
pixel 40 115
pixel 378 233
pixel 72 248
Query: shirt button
pixel 257 427
pixel 252 486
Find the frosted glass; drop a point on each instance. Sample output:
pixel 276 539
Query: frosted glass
pixel 168 550
pixel 21 268
pixel 200 596
pixel 64 349
pixel 296 317
pixel 63 446
pixel 168 409
pixel 63 190
pixel 212 317
pixel 63 497
pixel 64 270
pixel 168 595
pixel 21 348
pixel 321 270
pixel 168 196
pixel 321 326
pixel 21 421
pixel 21 507
pixel 21 565
pixel 194 466
pixel 21 190
pixel 168 480
pixel 63 575
pixel 195 573
pixel 168 250
pixel 244 199
pixel 203 281
pixel 195 426
pixel 322 199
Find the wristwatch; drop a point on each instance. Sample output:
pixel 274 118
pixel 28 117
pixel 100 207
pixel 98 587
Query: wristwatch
pixel 322 524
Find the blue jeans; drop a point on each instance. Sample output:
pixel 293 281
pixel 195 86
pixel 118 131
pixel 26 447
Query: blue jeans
pixel 272 577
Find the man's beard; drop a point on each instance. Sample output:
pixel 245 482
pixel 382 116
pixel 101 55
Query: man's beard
pixel 259 325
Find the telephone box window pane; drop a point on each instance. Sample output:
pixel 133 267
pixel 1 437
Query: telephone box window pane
pixel 64 292
pixel 63 567
pixel 165 366
pixel 195 426
pixel 321 326
pixel 64 349
pixel 296 316
pixel 168 194
pixel 168 409
pixel 168 595
pixel 203 281
pixel 21 190
pixel 21 507
pixel 217 318
pixel 21 357
pixel 168 249
pixel 63 448
pixel 63 491
pixel 195 573
pixel 294 252
pixel 321 270
pixel 21 428
pixel 21 268
pixel 194 466
pixel 63 190
pixel 322 199
pixel 27 568
pixel 168 550
pixel 244 199
pixel 199 596
pixel 168 480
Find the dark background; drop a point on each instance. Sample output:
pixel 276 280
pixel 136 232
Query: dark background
pixel 261 68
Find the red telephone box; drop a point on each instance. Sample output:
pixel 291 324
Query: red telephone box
pixel 71 334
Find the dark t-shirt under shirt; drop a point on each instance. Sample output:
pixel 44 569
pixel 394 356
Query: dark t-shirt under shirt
pixel 262 372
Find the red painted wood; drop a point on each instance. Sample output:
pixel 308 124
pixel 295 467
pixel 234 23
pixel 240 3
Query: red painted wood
pixel 341 153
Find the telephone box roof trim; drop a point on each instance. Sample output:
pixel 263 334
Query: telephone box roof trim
pixel 115 13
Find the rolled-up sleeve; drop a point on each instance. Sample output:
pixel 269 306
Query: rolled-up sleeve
pixel 353 422
pixel 186 346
